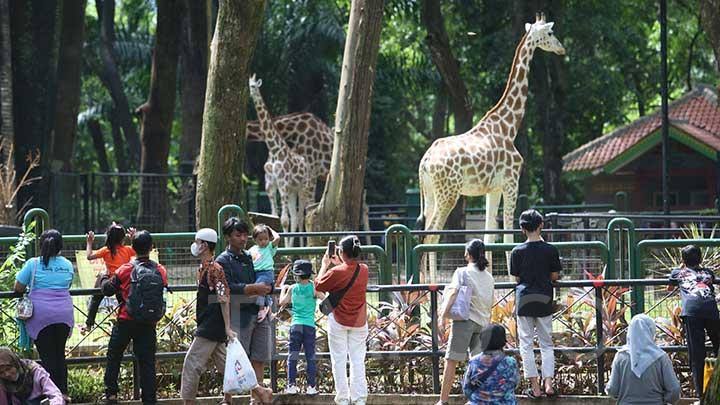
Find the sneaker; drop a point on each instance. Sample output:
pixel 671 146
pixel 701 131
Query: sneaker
pixel 343 401
pixel 291 390
pixel 359 401
pixel 311 391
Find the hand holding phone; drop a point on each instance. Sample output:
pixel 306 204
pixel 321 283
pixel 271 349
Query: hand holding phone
pixel 332 248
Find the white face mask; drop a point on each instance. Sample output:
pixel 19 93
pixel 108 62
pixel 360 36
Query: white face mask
pixel 195 249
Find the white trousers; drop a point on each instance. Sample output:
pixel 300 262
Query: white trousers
pixel 527 327
pixel 347 342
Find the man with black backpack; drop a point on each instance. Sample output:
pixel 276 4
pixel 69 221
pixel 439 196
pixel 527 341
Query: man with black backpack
pixel 140 285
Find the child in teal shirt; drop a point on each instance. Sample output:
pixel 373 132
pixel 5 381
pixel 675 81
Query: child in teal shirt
pixel 262 254
pixel 302 296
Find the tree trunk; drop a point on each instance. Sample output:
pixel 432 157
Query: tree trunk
pixel 222 151
pixel 68 91
pixel 460 102
pixel 7 130
pixel 121 159
pixel 157 118
pixel 110 76
pixel 341 203
pixel 34 36
pixel 99 145
pixel 194 59
pixel 440 110
pixel 710 17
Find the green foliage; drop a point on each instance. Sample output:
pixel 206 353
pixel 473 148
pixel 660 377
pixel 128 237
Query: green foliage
pixel 85 385
pixel 8 270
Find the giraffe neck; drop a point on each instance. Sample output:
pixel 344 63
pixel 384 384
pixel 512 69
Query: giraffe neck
pixel 511 106
pixel 277 148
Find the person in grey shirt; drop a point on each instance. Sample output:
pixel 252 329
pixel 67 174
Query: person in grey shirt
pixel 641 372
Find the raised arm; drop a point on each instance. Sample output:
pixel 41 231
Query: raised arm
pixel 90 238
pixel 275 237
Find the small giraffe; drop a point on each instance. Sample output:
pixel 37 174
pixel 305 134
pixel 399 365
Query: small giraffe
pixel 308 136
pixel 484 160
pixel 289 169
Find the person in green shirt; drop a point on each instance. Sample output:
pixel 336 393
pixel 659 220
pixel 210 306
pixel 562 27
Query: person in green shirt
pixel 301 296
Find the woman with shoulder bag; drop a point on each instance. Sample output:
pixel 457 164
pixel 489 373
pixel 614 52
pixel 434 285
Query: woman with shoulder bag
pixel 49 278
pixel 347 283
pixel 471 285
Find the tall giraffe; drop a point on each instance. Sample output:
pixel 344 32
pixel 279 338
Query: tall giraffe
pixel 290 170
pixel 484 160
pixel 308 136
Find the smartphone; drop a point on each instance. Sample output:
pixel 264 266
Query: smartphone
pixel 331 248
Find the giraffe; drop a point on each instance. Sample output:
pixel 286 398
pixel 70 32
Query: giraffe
pixel 289 169
pixel 484 160
pixel 308 136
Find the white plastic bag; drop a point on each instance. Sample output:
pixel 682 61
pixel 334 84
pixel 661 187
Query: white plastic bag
pixel 239 374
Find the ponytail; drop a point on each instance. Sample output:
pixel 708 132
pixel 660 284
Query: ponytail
pixel 350 245
pixel 50 245
pixel 476 250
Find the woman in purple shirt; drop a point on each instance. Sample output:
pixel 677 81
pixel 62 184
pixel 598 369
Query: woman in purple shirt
pixel 25 382
pixel 49 278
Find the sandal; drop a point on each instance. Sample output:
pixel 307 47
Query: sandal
pixel 530 394
pixel 551 394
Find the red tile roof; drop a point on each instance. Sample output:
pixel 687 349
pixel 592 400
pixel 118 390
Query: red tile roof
pixel 697 114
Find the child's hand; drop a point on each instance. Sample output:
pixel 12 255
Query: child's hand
pixel 131 232
pixel 90 237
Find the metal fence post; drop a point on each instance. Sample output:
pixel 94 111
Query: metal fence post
pixel 600 344
pixel 136 379
pixel 434 332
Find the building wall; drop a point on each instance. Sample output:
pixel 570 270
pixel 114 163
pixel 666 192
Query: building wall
pixel 692 181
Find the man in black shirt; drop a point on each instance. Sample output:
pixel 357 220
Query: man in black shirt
pixel 213 318
pixel 535 265
pixel 255 337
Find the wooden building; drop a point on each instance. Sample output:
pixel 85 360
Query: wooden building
pixel 630 158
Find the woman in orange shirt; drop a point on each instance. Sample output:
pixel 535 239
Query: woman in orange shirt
pixel 115 254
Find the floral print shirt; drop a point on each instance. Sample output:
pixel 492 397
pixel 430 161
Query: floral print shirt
pixel 482 385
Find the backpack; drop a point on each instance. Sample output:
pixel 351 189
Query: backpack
pixel 146 301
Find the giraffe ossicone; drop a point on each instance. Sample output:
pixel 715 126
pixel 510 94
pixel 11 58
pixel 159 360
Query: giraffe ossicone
pixel 484 160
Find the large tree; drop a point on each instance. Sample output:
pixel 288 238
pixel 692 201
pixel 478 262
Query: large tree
pixel 193 75
pixel 68 91
pixel 341 203
pixel 34 36
pixel 112 80
pixel 222 151
pixel 6 95
pixel 710 18
pixel 157 118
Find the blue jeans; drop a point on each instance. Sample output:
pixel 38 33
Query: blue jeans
pixel 302 336
pixel 265 277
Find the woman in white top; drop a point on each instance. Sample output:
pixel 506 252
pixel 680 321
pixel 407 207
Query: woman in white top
pixel 465 334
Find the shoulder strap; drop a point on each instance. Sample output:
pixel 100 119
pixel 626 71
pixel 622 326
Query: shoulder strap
pixel 341 293
pixel 32 279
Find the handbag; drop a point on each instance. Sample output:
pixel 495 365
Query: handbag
pixel 329 303
pixel 460 309
pixel 24 306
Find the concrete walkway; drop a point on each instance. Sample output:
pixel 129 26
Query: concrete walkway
pixel 395 399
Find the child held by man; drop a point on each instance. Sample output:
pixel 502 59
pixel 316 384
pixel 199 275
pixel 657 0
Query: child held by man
pixel 262 254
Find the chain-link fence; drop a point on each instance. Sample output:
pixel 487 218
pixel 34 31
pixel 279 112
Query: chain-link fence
pixel 158 202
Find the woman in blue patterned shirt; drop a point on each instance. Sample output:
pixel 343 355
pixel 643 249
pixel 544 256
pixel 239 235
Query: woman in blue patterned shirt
pixel 491 376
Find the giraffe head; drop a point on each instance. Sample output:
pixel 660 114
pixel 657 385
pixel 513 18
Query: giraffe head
pixel 540 35
pixel 255 86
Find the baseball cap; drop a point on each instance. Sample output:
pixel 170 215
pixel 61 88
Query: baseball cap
pixel 207 234
pixel 302 268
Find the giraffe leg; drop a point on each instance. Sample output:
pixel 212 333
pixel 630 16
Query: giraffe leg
pixel 285 214
pixel 293 209
pixel 444 203
pixel 509 204
pixel 271 190
pixel 492 202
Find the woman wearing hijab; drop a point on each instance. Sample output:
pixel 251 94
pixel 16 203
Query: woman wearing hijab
pixel 25 382
pixel 641 372
pixel 491 376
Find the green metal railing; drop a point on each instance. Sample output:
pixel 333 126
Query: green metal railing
pixel 222 215
pixel 418 250
pixel 407 240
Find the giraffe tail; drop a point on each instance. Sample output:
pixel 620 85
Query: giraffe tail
pixel 420 222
